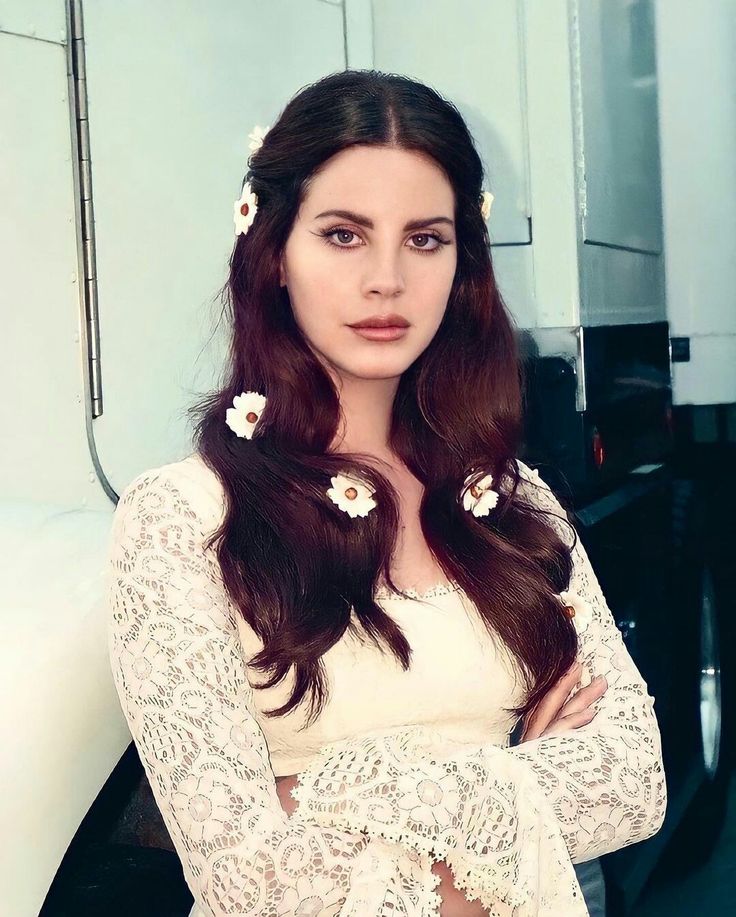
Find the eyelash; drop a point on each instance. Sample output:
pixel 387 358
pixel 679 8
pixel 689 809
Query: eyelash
pixel 424 251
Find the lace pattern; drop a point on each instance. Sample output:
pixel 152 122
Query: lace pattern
pixel 603 784
pixel 375 811
pixel 432 592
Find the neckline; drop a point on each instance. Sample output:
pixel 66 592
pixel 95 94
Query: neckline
pixel 383 592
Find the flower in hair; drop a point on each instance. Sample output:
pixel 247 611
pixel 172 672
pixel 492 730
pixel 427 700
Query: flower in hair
pixel 245 209
pixel 256 137
pixel 480 497
pixel 486 201
pixel 351 496
pixel 577 609
pixel 245 413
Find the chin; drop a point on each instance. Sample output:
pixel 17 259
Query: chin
pixel 386 368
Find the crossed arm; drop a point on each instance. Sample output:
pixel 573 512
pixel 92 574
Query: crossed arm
pixel 506 821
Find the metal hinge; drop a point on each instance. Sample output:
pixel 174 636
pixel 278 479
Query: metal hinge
pixel 86 259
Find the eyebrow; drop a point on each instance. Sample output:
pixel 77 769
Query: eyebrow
pixel 365 221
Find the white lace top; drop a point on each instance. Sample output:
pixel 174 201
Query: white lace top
pixel 400 770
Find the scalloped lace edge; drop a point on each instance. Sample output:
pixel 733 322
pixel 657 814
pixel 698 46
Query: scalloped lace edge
pixel 383 592
pixel 467 875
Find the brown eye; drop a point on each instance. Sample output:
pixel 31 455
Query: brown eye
pixel 340 232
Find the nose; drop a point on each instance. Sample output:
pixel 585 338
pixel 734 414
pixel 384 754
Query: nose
pixel 383 273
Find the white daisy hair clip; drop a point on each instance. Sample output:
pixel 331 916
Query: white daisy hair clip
pixel 257 136
pixel 246 207
pixel 351 496
pixel 486 199
pixel 480 498
pixel 245 413
pixel 577 609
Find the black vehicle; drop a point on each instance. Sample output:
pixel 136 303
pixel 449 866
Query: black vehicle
pixel 651 506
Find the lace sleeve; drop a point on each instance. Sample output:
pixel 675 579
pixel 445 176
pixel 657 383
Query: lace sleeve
pixel 511 821
pixel 180 676
pixel 605 780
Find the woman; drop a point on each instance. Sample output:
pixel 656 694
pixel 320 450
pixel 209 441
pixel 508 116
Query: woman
pixel 355 524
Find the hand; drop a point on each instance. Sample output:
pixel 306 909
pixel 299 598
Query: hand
pixel 554 715
pixel 283 786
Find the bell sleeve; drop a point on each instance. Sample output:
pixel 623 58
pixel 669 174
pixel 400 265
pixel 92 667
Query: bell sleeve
pixel 180 677
pixel 511 821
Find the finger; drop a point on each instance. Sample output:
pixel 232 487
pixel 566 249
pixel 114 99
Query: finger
pixel 568 723
pixel 585 696
pixel 549 706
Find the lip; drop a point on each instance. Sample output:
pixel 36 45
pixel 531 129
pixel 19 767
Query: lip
pixel 387 333
pixel 382 321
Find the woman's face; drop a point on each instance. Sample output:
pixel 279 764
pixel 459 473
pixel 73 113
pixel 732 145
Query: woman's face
pixel 335 278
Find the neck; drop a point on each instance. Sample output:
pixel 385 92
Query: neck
pixel 366 406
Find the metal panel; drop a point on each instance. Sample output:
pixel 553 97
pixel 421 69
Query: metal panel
pixel 41 408
pixel 44 20
pixel 696 58
pixel 621 141
pixel 473 54
pixel 618 162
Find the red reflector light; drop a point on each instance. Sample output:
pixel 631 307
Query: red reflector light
pixel 599 452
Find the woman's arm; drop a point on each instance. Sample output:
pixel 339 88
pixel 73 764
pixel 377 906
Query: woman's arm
pixel 568 798
pixel 605 781
pixel 180 676
pixel 182 684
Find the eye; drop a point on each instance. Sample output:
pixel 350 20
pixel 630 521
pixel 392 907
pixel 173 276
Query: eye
pixel 341 231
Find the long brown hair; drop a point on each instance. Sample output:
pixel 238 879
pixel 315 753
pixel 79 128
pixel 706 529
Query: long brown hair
pixel 293 563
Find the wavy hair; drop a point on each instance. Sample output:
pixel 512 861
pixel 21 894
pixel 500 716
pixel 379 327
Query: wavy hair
pixel 293 563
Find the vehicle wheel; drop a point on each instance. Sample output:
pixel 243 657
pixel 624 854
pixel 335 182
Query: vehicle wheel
pixel 700 828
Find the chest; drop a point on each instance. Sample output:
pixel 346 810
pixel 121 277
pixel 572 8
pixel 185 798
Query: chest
pixel 462 682
pixel 413 564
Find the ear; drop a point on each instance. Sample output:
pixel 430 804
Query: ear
pixel 282 273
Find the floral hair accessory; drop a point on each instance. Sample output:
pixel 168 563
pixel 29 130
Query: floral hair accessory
pixel 577 609
pixel 480 497
pixel 245 209
pixel 256 137
pixel 245 413
pixel 485 206
pixel 351 496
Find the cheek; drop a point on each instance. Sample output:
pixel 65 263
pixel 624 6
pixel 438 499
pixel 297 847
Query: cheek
pixel 316 293
pixel 433 293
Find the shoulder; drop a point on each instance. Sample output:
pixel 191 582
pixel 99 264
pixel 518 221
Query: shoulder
pixel 187 488
pixel 530 475
pixel 537 493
